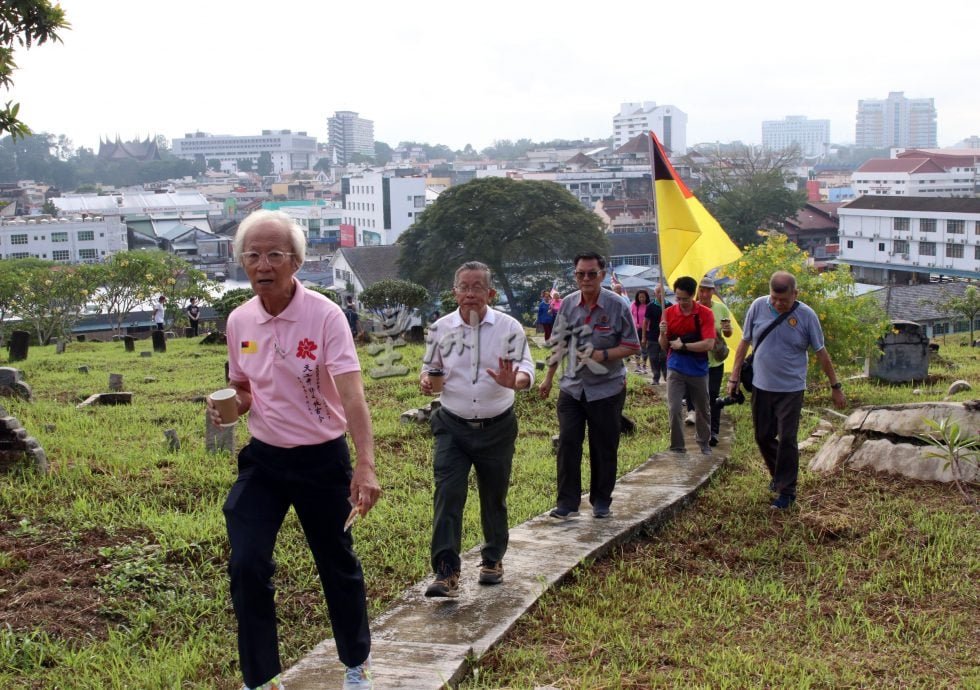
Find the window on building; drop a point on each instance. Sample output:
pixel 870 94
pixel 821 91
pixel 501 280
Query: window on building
pixel 881 246
pixel 86 236
pixel 901 246
pixel 976 252
pixel 19 255
pixel 954 251
pixel 87 254
pixel 927 248
pixel 420 202
pixel 902 224
pixel 59 236
pixel 850 244
pixel 956 227
pixel 18 239
pixel 61 255
pixel 927 225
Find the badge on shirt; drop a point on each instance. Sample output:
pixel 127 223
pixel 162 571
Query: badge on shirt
pixel 249 347
pixel 792 321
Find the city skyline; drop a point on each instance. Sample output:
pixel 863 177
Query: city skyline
pixel 452 75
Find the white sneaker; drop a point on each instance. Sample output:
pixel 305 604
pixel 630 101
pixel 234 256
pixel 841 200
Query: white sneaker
pixel 691 418
pixel 359 677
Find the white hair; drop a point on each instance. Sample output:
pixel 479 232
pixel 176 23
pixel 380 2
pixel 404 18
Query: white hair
pixel 297 239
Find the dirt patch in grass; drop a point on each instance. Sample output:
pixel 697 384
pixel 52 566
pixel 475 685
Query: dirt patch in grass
pixel 50 583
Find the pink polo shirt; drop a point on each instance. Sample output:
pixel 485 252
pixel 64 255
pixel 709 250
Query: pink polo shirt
pixel 290 361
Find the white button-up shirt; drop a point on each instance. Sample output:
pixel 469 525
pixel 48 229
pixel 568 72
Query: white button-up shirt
pixel 465 353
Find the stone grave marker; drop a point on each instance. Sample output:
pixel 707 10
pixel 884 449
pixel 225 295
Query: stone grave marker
pixel 159 341
pixel 12 384
pixel 129 342
pixel 172 439
pixel 19 345
pixel 16 445
pixel 115 382
pixel 59 347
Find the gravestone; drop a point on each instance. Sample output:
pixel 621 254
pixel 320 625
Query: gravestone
pixel 129 342
pixel 83 369
pixel 19 344
pixel 16 445
pixel 172 439
pixel 904 355
pixel 159 341
pixel 80 337
pixel 115 382
pixel 217 438
pixel 188 332
pixel 59 347
pixel 146 354
pixel 12 384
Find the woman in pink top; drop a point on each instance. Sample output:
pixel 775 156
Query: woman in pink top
pixel 555 301
pixel 638 308
pixel 292 361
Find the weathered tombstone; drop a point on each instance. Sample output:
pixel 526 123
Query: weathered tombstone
pixel 83 369
pixel 159 341
pixel 59 347
pixel 19 344
pixel 146 354
pixel 188 332
pixel 80 337
pixel 115 382
pixel 12 384
pixel 904 354
pixel 130 343
pixel 172 439
pixel 218 437
pixel 416 334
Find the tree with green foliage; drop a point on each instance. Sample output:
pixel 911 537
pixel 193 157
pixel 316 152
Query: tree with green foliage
pixel 747 189
pixel 244 164
pixel 49 208
pixel 52 297
pixel 966 306
pixel 126 282
pixel 329 294
pixel 24 23
pixel 852 324
pixel 11 280
pixel 382 153
pixel 264 164
pixel 214 164
pixel 522 230
pixel 392 292
pixel 231 300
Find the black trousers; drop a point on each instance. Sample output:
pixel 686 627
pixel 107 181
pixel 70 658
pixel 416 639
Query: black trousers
pixel 776 418
pixel 490 452
pixel 315 480
pixel 604 419
pixel 194 325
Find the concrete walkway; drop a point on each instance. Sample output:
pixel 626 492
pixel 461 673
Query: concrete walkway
pixel 424 644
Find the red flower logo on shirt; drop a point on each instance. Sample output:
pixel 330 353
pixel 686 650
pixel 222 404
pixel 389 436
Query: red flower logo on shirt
pixel 305 349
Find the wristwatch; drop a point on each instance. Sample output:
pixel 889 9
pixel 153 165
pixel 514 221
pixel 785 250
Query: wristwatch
pixel 837 386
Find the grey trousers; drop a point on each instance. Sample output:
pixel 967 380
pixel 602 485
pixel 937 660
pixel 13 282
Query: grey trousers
pixel 695 389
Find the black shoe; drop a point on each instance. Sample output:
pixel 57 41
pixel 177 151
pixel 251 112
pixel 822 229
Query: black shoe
pixel 782 502
pixel 446 583
pixel 563 513
pixel 713 441
pixel 601 512
pixel 491 572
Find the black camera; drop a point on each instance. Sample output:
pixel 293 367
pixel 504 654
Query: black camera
pixel 736 399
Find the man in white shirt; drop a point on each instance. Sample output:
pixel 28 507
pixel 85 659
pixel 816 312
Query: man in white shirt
pixel 484 357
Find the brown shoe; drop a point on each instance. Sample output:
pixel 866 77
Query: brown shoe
pixel 491 573
pixel 446 583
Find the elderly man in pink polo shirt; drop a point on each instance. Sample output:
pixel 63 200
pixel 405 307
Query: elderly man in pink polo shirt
pixel 293 364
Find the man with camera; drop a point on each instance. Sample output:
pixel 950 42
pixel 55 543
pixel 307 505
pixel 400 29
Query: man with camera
pixel 687 333
pixel 781 330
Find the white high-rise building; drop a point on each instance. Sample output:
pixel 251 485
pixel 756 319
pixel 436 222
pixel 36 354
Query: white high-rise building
pixel 350 134
pixel 896 122
pixel 381 206
pixel 668 122
pixel 812 136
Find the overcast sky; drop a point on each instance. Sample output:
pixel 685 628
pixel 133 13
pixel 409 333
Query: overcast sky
pixel 460 71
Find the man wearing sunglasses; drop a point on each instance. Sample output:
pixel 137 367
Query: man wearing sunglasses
pixel 593 333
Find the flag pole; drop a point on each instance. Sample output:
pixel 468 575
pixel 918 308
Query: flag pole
pixel 651 146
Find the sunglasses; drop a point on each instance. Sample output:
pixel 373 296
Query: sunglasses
pixel 586 274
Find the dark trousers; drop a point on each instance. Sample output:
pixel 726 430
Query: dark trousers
pixel 159 326
pixel 658 359
pixel 776 418
pixel 315 480
pixel 604 418
pixel 490 452
pixel 194 325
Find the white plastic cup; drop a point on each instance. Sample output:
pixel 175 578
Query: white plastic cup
pixel 226 402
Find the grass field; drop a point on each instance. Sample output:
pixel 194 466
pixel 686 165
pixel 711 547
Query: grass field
pixel 112 565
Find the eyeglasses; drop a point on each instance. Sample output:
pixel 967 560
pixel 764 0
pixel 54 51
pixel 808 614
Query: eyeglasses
pixel 471 289
pixel 275 259
pixel 586 274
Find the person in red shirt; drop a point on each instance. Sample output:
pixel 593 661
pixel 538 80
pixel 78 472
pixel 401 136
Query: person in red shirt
pixel 687 333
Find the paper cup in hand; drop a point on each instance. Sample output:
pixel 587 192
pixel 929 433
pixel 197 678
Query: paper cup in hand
pixel 226 402
pixel 436 379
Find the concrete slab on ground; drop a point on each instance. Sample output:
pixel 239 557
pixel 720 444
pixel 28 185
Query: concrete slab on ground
pixel 422 644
